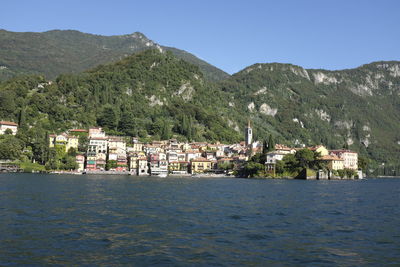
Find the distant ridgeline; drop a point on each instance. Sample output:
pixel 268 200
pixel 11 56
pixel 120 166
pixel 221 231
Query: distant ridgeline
pixel 156 95
pixel 55 52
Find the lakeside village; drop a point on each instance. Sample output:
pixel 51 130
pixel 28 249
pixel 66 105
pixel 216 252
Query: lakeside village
pixel 126 155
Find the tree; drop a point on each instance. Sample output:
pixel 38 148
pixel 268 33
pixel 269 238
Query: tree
pixel 69 163
pixel 254 169
pixel 280 167
pixel 127 124
pixel 21 118
pixel 271 143
pixel 226 165
pixel 10 147
pixel 108 118
pixel 8 132
pixel 83 143
pixel 363 163
pixel 72 152
pixel 265 147
pixel 165 131
pixel 111 164
pixel 305 158
pixel 291 164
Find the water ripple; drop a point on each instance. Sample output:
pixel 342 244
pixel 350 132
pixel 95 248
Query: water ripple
pixel 124 220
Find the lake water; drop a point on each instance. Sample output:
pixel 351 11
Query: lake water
pixel 146 221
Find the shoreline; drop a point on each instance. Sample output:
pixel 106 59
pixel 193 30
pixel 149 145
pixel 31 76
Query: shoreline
pixel 188 175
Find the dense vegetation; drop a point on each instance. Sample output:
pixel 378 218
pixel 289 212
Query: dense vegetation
pixel 156 95
pixel 55 52
pixel 150 94
pixel 357 109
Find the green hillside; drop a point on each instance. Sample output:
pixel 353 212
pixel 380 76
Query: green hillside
pixel 150 94
pixel 155 95
pixel 357 108
pixel 56 52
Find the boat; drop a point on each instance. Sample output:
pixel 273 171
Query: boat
pixel 160 174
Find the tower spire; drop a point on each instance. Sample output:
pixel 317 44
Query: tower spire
pixel 248 134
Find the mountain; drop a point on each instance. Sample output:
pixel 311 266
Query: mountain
pixel 148 93
pixel 356 108
pixel 155 94
pixel 65 51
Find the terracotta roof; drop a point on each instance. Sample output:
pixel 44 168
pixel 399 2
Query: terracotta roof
pixel 329 157
pixel 341 151
pixel 10 123
pixel 200 160
pixel 282 147
pixel 79 130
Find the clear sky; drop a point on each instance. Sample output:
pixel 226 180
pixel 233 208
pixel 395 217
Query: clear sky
pixel 329 34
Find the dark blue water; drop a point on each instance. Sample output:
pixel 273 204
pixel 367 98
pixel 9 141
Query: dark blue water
pixel 126 220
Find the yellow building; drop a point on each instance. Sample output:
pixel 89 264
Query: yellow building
pixel 69 141
pixel 333 162
pixel 321 150
pixel 178 166
pixel 200 165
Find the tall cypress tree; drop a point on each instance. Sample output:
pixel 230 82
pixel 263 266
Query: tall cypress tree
pixel 271 143
pixel 265 147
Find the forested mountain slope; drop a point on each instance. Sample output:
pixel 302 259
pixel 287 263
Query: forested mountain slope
pixel 149 93
pixel 357 108
pixel 56 52
pixel 155 95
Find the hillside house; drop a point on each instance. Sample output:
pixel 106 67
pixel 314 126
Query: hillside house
pixel 8 125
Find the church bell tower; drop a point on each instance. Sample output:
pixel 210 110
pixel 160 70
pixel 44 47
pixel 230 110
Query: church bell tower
pixel 248 134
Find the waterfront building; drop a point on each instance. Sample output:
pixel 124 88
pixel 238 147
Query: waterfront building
pixel 90 162
pixel 80 160
pixel 172 156
pixel 333 162
pixel 143 168
pixel 178 167
pixel 192 154
pixel 117 145
pixel 68 141
pixel 200 165
pixel 8 125
pixel 350 158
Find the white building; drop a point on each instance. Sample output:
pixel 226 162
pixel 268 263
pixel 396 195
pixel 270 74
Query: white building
pixel 273 156
pixel 350 158
pixel 4 125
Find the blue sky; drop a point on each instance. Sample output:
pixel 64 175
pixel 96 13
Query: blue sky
pixel 232 34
